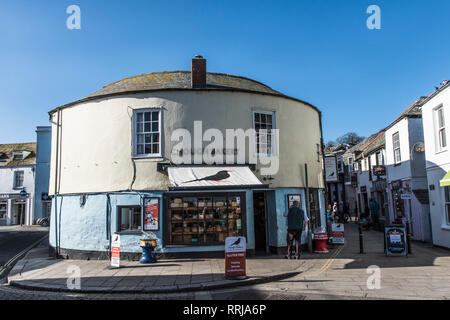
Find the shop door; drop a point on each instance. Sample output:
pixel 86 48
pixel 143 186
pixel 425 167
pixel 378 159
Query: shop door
pixel 21 213
pixel 260 218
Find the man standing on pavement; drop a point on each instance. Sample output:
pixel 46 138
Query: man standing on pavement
pixel 296 224
pixel 374 208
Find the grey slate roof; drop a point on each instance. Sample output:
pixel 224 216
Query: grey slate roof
pixel 6 154
pixel 181 80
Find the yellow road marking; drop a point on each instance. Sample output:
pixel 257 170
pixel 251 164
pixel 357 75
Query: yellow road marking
pixel 328 263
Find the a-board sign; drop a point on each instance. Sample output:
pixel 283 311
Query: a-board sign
pixel 395 239
pixel 235 255
pixel 115 251
pixel 337 232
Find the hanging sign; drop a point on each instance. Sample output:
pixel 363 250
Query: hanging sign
pixel 115 251
pixel 151 214
pixel 337 232
pixel 331 169
pixel 395 241
pixel 405 196
pixel 235 255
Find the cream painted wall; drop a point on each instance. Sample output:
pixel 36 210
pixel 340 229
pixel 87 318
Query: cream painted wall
pixel 96 137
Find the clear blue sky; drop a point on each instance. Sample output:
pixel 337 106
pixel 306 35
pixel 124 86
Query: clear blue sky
pixel 317 51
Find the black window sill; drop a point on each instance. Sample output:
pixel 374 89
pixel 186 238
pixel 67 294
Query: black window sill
pixel 128 232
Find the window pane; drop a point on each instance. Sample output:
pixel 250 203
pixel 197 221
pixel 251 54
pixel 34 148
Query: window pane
pixel 441 118
pixel 140 149
pixel 140 138
pixel 148 148
pixel 148 138
pixel 139 116
pixel 147 116
pixel 155 148
pixel 447 194
pixel 257 117
pixel 155 126
pixel 155 137
pixel 442 138
pixel 138 127
pixel 269 119
pixel 155 115
pixel 147 127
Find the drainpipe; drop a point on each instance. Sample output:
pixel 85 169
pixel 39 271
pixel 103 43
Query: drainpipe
pixel 56 183
pixel 308 209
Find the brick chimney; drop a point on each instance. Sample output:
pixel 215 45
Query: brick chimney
pixel 198 72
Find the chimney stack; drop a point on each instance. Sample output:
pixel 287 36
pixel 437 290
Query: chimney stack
pixel 198 72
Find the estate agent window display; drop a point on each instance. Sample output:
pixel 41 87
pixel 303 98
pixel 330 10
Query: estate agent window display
pixel 205 219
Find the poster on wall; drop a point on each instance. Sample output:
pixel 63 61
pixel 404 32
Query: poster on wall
pixel 292 198
pixel 330 169
pixel 151 214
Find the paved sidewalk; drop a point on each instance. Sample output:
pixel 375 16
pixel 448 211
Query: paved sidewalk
pixel 37 271
pixel 425 274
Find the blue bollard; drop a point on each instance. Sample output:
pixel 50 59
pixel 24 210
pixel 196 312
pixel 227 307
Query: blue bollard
pixel 148 246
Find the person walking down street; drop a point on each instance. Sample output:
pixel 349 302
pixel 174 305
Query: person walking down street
pixel 374 210
pixel 296 224
pixel 336 216
pixel 329 221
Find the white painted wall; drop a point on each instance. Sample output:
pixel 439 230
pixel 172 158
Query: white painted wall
pixel 402 170
pixel 437 164
pixel 7 187
pixel 96 138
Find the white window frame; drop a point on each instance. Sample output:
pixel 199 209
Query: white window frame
pixel 15 184
pixel 134 133
pixel 438 129
pixel 399 160
pixel 273 151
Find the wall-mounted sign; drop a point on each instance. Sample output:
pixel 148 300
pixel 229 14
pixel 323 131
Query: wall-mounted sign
pixel 379 171
pixel 294 197
pixel 45 196
pixel 151 214
pixel 115 251
pixel 331 169
pixel 395 237
pixel 235 255
pixel 405 196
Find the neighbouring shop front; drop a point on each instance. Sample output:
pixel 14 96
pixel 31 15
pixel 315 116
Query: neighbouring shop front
pixel 14 209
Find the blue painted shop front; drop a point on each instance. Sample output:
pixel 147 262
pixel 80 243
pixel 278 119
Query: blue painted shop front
pixel 82 225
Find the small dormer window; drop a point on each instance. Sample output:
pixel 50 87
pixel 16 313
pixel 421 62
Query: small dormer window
pixel 17 155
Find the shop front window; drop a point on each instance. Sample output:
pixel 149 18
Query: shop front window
pixel 204 220
pixel 130 219
pixel 3 210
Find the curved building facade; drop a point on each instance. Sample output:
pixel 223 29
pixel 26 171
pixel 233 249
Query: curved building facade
pixel 192 157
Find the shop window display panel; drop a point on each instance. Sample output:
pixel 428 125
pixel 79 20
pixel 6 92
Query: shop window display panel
pixel 204 220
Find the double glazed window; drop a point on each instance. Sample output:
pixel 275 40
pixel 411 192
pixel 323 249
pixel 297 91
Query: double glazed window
pixel 18 179
pixel 147 133
pixel 440 128
pixel 396 146
pixel 264 124
pixel 130 219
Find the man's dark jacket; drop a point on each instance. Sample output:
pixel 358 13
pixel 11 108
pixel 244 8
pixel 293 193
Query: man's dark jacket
pixel 295 218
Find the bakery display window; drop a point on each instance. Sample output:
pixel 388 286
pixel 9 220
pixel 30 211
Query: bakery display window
pixel 204 219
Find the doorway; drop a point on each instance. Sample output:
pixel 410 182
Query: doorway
pixel 260 221
pixel 18 213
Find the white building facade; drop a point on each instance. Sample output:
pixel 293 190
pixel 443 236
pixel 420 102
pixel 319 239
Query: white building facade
pixel 436 118
pixel 407 180
pixel 17 172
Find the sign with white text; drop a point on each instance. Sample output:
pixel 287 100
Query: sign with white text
pixel 235 255
pixel 115 251
pixel 337 231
